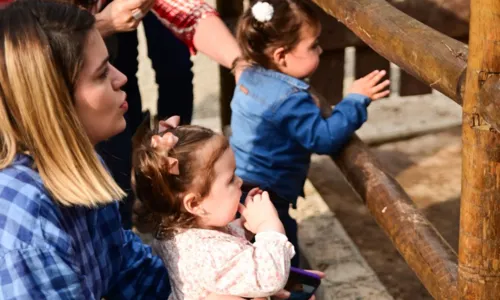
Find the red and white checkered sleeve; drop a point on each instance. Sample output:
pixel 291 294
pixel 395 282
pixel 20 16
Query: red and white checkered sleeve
pixel 182 16
pixel 4 3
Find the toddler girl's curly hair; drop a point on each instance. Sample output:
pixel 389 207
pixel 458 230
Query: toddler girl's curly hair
pixel 160 209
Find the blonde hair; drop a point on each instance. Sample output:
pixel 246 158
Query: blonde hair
pixel 41 54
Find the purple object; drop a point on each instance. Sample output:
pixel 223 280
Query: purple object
pixel 302 284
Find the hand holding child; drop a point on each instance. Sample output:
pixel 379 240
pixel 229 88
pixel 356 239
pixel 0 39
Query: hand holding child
pixel 259 214
pixel 370 86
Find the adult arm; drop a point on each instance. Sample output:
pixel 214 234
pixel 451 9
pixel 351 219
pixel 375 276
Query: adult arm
pixel 199 26
pixel 35 273
pixel 142 275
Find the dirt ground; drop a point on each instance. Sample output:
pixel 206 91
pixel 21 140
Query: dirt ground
pixel 429 169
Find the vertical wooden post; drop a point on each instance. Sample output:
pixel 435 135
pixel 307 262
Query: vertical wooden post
pixel 479 244
pixel 229 12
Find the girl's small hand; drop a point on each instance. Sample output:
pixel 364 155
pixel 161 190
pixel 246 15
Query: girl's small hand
pixel 252 193
pixel 260 214
pixel 370 86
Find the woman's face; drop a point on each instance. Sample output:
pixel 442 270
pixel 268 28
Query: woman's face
pixel 99 101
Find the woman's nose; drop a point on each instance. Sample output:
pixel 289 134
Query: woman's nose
pixel 119 79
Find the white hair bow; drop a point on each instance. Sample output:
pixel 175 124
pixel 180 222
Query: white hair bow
pixel 262 11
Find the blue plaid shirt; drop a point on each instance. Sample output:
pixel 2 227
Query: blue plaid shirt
pixel 49 251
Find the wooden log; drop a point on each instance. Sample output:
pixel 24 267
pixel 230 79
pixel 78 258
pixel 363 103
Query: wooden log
pixel 430 56
pixel 229 12
pixel 479 240
pixel 449 17
pixel 423 248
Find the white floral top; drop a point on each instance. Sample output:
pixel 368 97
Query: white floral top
pixel 201 262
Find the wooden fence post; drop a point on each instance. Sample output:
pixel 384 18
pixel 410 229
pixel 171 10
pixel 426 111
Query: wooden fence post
pixel 479 243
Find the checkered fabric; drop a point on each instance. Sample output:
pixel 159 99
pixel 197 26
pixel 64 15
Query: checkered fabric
pixel 180 16
pixel 49 251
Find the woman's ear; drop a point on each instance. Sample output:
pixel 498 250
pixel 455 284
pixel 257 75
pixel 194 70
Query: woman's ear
pixel 279 55
pixel 192 204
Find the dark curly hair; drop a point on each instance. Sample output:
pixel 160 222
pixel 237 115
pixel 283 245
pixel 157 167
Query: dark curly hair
pixel 258 39
pixel 160 210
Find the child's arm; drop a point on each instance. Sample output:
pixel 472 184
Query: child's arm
pixel 301 117
pixel 257 270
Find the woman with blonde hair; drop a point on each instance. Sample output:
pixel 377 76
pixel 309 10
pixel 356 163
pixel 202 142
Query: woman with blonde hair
pixel 60 231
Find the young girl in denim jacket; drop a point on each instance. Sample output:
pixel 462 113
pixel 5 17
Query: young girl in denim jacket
pixel 275 123
pixel 190 197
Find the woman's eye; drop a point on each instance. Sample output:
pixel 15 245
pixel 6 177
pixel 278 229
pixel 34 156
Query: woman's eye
pixel 104 74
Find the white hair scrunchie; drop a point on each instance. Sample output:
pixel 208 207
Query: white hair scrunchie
pixel 262 11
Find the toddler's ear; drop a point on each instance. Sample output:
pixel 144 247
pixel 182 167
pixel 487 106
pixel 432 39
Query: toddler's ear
pixel 279 56
pixel 192 204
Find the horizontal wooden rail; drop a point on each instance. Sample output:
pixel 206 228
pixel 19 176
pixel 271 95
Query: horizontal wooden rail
pixel 450 17
pixel 423 248
pixel 430 56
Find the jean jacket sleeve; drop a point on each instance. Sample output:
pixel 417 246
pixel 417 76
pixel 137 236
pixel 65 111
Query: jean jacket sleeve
pixel 301 117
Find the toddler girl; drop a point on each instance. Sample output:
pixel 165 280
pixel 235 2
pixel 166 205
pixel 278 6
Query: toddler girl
pixel 275 123
pixel 190 197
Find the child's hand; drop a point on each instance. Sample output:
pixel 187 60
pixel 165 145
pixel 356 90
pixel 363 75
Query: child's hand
pixel 252 193
pixel 260 215
pixel 370 87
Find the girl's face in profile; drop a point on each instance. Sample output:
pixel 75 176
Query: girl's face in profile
pixel 99 101
pixel 303 59
pixel 221 204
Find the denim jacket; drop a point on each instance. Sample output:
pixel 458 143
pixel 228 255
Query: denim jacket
pixel 276 125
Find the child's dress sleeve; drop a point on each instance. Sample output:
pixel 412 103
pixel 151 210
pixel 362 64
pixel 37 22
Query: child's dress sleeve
pixel 247 270
pixel 301 118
